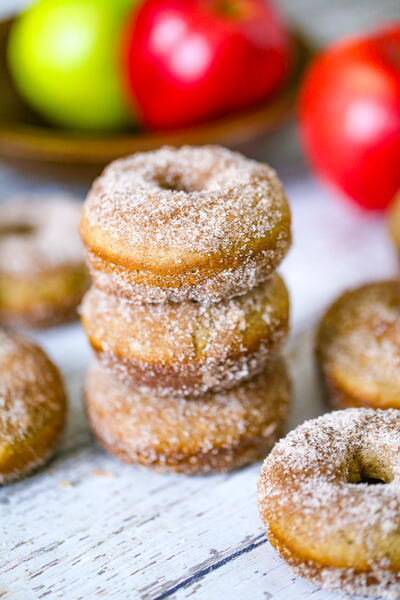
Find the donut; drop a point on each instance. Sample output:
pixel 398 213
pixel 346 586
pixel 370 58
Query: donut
pixel 358 347
pixel 218 432
pixel 189 223
pixel 394 222
pixel 329 496
pixel 33 407
pixel 42 271
pixel 188 348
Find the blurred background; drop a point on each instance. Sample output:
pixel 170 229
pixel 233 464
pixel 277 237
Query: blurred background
pixel 319 23
pixel 323 20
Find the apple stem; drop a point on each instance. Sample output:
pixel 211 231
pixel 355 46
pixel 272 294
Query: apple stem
pixel 232 9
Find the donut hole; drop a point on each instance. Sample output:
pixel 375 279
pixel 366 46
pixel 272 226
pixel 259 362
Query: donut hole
pixel 180 180
pixel 173 184
pixel 369 470
pixel 368 479
pixel 16 229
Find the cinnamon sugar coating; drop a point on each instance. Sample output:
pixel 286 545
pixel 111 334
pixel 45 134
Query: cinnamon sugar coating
pixel 189 223
pixel 394 222
pixel 188 348
pixel 358 347
pixel 218 432
pixel 32 407
pixel 42 271
pixel 329 496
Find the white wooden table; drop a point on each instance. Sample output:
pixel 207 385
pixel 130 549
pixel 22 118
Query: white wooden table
pixel 89 527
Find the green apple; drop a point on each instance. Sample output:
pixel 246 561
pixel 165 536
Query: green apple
pixel 64 56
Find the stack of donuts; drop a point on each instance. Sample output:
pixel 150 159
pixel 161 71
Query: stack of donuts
pixel 186 314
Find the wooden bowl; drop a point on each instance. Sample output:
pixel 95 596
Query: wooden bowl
pixel 28 143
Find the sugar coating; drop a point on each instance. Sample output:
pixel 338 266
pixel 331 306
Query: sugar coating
pixel 217 432
pixel 394 221
pixel 312 476
pixel 358 343
pixel 188 348
pixel 32 400
pixel 175 225
pixel 189 223
pixel 200 199
pixel 224 284
pixel 39 234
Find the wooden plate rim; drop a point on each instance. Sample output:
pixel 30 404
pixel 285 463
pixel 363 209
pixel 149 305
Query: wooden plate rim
pixel 20 140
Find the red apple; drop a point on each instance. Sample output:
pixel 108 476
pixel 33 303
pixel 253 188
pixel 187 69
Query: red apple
pixel 350 117
pixel 190 60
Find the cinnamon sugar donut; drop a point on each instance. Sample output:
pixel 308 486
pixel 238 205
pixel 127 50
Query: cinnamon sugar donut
pixel 42 271
pixel 217 432
pixel 189 223
pixel 33 406
pixel 394 222
pixel 329 496
pixel 188 348
pixel 358 347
